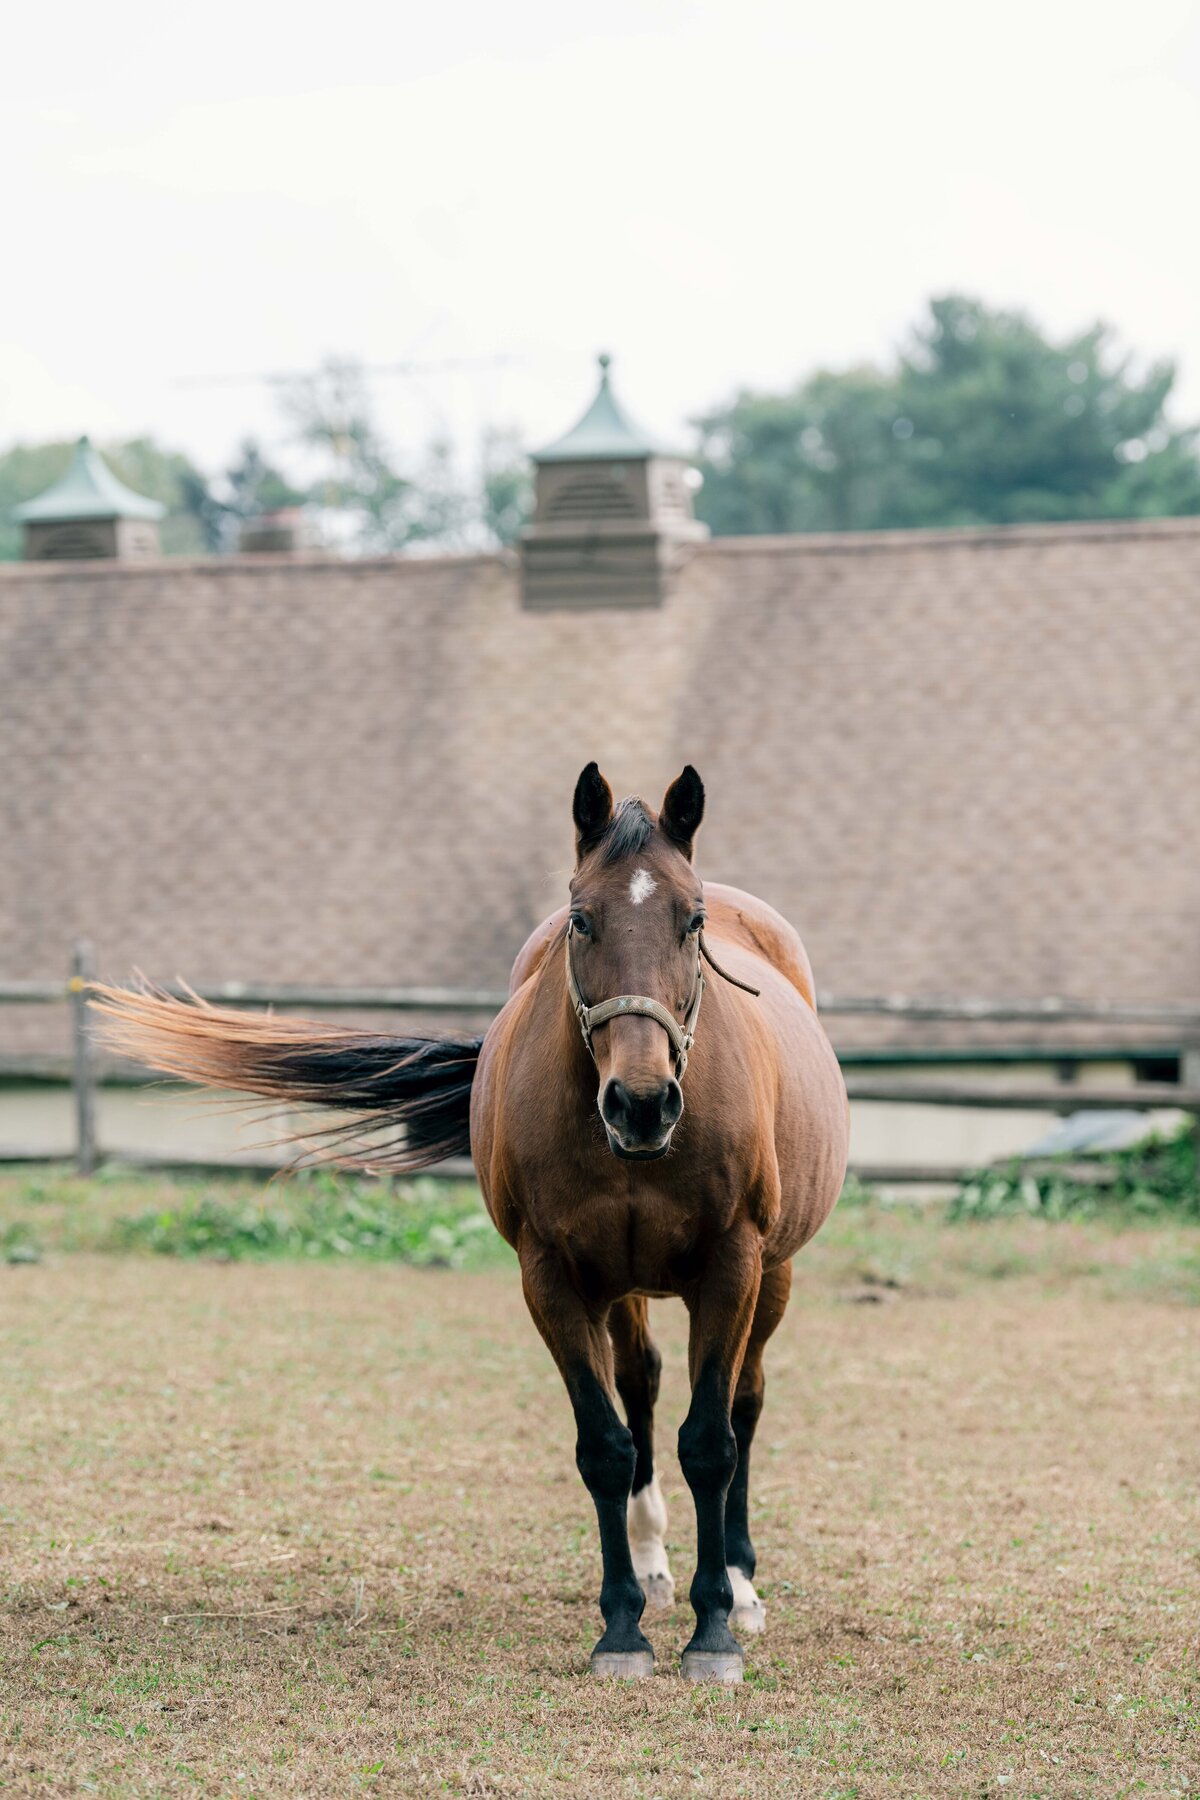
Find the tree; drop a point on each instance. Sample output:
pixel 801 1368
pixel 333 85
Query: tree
pixel 362 500
pixel 507 487
pixel 252 486
pixel 370 505
pixel 1007 426
pixel 373 507
pixel 982 421
pixel 330 415
pixel 172 477
pixel 817 459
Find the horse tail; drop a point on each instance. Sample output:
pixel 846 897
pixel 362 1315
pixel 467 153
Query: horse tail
pixel 406 1101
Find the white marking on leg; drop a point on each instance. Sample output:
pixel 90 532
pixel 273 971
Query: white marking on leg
pixel 647 1519
pixel 749 1614
pixel 643 883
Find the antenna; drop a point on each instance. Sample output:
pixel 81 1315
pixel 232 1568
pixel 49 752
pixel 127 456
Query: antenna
pixel 447 365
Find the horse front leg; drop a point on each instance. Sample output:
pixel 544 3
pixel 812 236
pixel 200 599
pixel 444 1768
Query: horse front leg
pixel 578 1340
pixel 721 1306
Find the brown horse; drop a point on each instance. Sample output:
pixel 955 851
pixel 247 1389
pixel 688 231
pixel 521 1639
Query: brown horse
pixel 610 1193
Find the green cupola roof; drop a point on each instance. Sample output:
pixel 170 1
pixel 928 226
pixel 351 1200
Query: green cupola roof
pixel 88 490
pixel 605 430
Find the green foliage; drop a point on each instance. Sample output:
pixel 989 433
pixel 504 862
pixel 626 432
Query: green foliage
pixel 818 459
pixel 873 1247
pixel 251 486
pixel 983 421
pixel 330 414
pixel 439 512
pixel 18 1243
pixel 1161 1177
pixel 507 487
pixel 857 1193
pixel 25 471
pixel 376 508
pixel 426 1223
pixel 171 477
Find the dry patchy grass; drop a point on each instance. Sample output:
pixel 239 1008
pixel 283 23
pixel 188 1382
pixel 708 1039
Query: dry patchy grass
pixel 313 1528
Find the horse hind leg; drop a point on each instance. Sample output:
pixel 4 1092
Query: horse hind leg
pixel 637 1365
pixel 749 1615
pixel 647 1521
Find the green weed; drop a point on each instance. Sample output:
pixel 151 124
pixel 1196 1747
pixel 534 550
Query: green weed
pixel 427 1223
pixel 1158 1179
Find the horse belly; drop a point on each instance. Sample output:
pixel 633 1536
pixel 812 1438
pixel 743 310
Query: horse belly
pixel 812 1135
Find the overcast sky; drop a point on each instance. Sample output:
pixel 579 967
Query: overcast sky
pixel 720 194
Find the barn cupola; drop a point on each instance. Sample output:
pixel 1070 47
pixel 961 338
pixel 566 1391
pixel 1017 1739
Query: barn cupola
pixel 612 513
pixel 89 513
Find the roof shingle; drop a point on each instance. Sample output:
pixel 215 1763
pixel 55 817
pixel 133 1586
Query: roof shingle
pixel 961 763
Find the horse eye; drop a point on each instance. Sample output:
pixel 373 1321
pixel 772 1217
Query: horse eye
pixel 579 924
pixel 697 924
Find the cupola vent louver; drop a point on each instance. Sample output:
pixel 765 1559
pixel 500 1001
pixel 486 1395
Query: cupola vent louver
pixel 592 496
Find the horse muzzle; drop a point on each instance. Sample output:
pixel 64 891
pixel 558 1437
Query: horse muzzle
pixel 639 1122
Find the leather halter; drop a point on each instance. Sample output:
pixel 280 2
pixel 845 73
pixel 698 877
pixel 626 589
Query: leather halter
pixel 641 1005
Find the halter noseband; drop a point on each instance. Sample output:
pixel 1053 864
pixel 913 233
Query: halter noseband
pixel 682 1036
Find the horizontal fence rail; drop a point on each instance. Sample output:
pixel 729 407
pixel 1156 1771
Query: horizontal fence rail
pixel 1061 1097
pixel 1050 1011
pixel 288 994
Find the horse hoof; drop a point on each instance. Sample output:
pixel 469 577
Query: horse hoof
pixel 712 1665
pixel 748 1619
pixel 659 1591
pixel 622 1665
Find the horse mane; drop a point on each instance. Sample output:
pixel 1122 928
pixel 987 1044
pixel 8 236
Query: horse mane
pixel 628 832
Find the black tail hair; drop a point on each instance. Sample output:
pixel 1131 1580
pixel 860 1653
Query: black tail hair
pixel 408 1098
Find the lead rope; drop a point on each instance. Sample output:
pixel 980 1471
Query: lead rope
pixel 733 981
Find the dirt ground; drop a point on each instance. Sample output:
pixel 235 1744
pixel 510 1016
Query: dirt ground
pixel 315 1529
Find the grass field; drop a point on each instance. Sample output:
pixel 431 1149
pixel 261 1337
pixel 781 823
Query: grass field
pixel 281 1514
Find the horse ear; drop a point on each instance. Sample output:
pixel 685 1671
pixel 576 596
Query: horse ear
pixel 682 810
pixel 593 809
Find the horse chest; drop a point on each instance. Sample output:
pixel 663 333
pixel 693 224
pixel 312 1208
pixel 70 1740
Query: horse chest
pixel 627 1247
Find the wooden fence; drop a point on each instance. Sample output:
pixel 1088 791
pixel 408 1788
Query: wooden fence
pixel 1182 1021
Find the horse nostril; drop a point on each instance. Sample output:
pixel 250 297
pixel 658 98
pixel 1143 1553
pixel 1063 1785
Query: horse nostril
pixel 642 1117
pixel 614 1104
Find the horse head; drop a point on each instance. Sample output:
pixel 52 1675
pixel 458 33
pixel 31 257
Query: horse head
pixel 633 954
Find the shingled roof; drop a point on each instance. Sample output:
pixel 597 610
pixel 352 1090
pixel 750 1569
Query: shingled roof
pixel 962 763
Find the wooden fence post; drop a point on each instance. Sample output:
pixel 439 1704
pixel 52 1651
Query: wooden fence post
pixel 83 1066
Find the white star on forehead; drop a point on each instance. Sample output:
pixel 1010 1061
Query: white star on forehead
pixel 643 883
